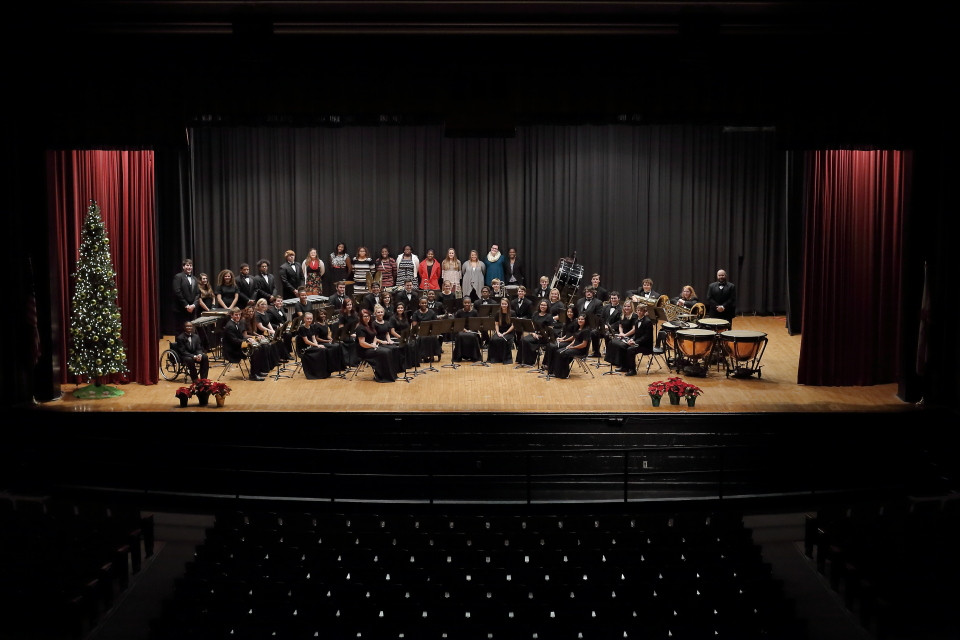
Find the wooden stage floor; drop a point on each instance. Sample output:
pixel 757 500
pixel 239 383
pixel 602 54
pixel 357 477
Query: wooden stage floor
pixel 505 389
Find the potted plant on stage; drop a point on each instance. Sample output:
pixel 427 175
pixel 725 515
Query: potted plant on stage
pixel 656 391
pixel 220 391
pixel 690 392
pixel 183 395
pixel 202 388
pixel 675 389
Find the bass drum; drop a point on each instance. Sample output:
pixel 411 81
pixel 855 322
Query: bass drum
pixel 568 275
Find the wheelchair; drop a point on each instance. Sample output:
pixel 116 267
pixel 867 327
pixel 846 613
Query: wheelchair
pixel 171 364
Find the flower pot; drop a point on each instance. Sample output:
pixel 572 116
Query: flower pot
pixel 691 401
pixel 220 400
pixel 655 400
pixel 183 400
pixel 674 397
pixel 203 398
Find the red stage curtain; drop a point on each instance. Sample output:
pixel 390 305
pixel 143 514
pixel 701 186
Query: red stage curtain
pixel 854 210
pixel 122 183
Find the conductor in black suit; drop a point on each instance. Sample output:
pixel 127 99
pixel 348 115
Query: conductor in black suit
pixel 722 298
pixel 191 352
pixel 186 292
pixel 291 275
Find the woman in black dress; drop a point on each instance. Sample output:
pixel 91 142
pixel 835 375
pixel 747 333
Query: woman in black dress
pixel 369 349
pixel 567 334
pixel 429 345
pixel 467 342
pixel 409 346
pixel 618 348
pixel 347 324
pixel 313 352
pixel 208 297
pixel 384 329
pixel 532 342
pixel 228 295
pixel 560 367
pixel 500 347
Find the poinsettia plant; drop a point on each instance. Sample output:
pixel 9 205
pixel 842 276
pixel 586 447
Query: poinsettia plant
pixel 676 385
pixel 691 390
pixel 220 389
pixel 203 385
pixel 184 392
pixel 657 389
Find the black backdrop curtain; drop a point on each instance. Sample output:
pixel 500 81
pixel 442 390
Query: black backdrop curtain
pixel 673 203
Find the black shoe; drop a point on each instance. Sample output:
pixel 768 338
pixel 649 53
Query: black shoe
pixel 631 373
pixel 257 378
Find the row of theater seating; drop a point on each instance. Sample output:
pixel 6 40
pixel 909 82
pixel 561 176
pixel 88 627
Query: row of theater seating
pixel 896 563
pixel 64 564
pixel 373 575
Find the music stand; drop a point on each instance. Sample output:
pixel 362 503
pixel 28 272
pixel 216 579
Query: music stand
pixel 402 344
pixel 481 326
pixel 453 327
pixel 425 329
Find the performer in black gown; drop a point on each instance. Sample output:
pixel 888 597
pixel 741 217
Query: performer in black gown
pixel 621 339
pixel 385 338
pixel 567 333
pixel 369 349
pixel 531 342
pixel 313 352
pixel 500 347
pixel 467 342
pixel 429 345
pixel 347 323
pixel 409 346
pixel 560 366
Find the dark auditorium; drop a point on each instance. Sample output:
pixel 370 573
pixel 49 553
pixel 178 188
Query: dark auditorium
pixel 660 288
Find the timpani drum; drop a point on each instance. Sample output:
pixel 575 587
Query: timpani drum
pixel 670 333
pixel 743 351
pixel 715 324
pixel 694 347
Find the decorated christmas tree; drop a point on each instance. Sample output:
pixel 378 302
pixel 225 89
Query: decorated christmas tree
pixel 96 348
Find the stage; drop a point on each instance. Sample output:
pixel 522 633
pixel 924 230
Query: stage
pixel 505 389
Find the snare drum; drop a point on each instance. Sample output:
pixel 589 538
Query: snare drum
pixel 718 325
pixel 512 290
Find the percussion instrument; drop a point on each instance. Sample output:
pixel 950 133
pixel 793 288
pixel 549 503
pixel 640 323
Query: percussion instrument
pixel 716 324
pixel 569 274
pixel 695 346
pixel 215 313
pixel 512 290
pixel 670 330
pixel 743 350
pixel 206 328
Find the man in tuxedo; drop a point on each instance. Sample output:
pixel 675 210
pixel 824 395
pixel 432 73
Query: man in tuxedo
pixel 610 315
pixel 722 298
pixel 336 300
pixel 233 337
pixel 265 283
pixel 246 286
pixel 409 296
pixel 186 292
pixel 590 307
pixel 291 275
pixel 370 299
pixel 522 307
pixel 191 352
pixel 543 290
pixel 513 272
